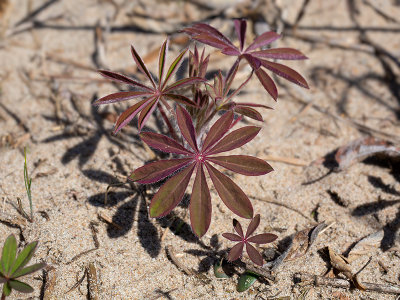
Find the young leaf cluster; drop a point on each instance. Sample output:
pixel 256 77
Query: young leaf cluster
pixel 200 122
pixel 13 266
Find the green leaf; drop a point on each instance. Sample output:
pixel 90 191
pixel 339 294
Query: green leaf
pixel 20 286
pixel 3 279
pixel 245 281
pixel 172 68
pixel 7 289
pixel 28 270
pixel 170 194
pixel 161 60
pixel 219 271
pixel 9 253
pixel 24 257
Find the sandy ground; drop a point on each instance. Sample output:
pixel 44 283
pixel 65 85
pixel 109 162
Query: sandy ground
pixel 49 52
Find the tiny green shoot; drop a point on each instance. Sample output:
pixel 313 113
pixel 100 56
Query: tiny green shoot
pixel 28 182
pixel 12 266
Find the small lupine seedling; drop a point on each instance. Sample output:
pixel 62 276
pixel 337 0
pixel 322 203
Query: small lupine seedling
pixel 246 239
pixel 13 267
pixel 198 134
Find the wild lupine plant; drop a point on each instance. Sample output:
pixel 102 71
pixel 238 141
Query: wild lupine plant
pixel 200 121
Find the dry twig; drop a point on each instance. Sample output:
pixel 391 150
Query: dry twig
pixel 343 283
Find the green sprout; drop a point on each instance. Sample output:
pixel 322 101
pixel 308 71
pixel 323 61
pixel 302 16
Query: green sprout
pixel 28 182
pixel 13 266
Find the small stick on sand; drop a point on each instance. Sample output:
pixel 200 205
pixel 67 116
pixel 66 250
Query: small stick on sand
pixel 176 261
pixel 286 160
pixel 93 287
pixel 343 283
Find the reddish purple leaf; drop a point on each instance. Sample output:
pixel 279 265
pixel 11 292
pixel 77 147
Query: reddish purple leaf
pixel 170 194
pixel 129 114
pixel 200 204
pixel 231 194
pixel 181 99
pixel 254 255
pixel 263 238
pixel 182 83
pixel 161 60
pixel 235 252
pixel 249 112
pixel 253 225
pixel 263 39
pixel 122 79
pixel 267 83
pixel 254 62
pixel 173 67
pixel 238 228
pixel 217 131
pixel 186 126
pixel 157 170
pixel 142 67
pixel 242 164
pixel 253 105
pixel 280 53
pixel 232 237
pixel 230 51
pixel 235 139
pixel 212 31
pixel 214 42
pixel 120 96
pixel 230 76
pixel 163 143
pixel 146 113
pixel 240 26
pixel 285 72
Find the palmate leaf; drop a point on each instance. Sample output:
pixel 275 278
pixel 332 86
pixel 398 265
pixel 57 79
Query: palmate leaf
pixel 142 67
pixel 240 26
pixel 28 270
pixel 123 79
pixel 186 127
pixel 171 193
pixel 146 113
pixel 217 131
pixel 129 114
pixel 24 257
pixel 254 255
pixel 285 72
pixel 232 237
pixel 163 143
pixel 161 59
pixel 280 53
pixel 243 164
pixel 7 289
pixel 231 194
pixel 155 171
pixel 262 238
pixel 235 139
pixel 120 96
pixel 263 40
pixel 235 252
pixel 173 67
pixel 8 254
pixel 253 225
pixel 200 204
pixel 267 83
pixel 249 112
pixel 20 286
pixel 208 35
